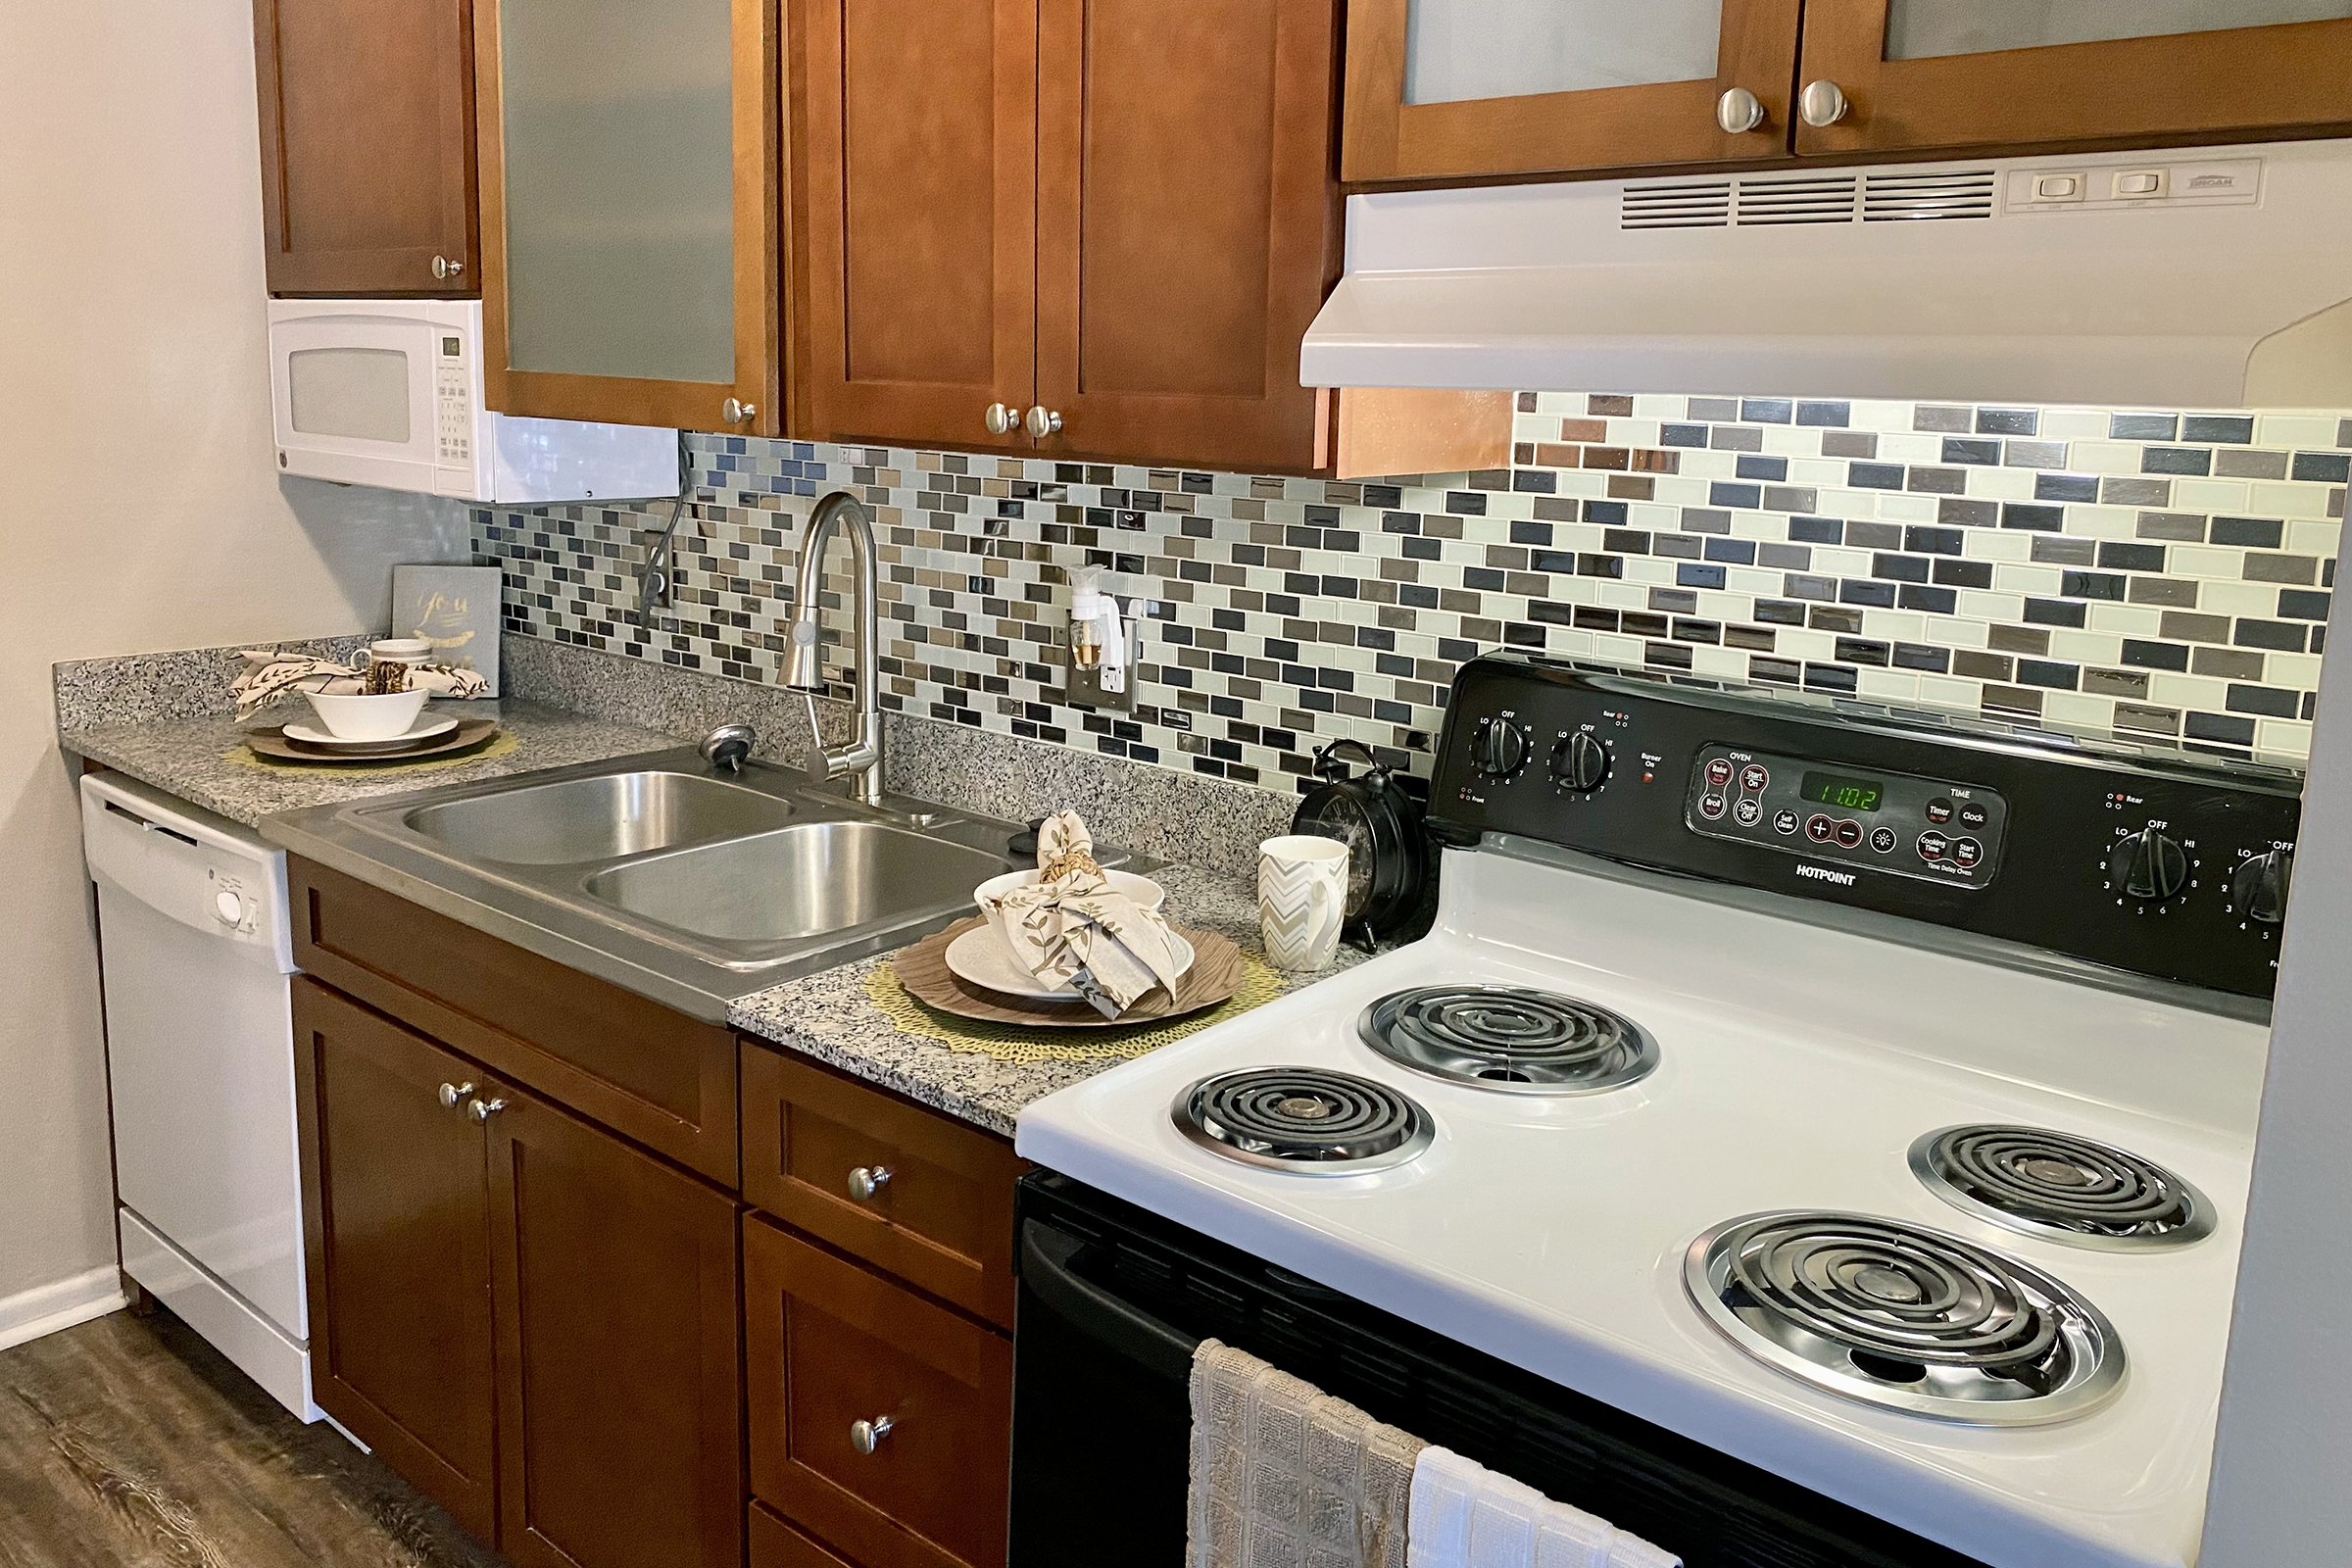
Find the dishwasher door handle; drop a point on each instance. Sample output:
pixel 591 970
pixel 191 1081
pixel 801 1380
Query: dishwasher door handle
pixel 1046 1254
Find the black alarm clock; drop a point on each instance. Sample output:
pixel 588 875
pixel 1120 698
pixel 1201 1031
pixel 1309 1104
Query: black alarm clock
pixel 1377 816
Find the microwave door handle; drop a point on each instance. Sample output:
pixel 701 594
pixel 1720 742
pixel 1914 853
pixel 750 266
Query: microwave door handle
pixel 1046 1254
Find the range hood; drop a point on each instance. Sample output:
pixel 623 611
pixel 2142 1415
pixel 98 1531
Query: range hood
pixel 2180 278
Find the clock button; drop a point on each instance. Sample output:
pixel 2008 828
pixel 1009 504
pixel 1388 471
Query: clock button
pixel 1939 812
pixel 1819 829
pixel 1973 815
pixel 1849 834
pixel 1785 823
pixel 1753 779
pixel 1747 814
pixel 1932 845
pixel 1884 840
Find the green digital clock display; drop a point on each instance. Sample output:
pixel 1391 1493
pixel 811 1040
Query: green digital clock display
pixel 1846 793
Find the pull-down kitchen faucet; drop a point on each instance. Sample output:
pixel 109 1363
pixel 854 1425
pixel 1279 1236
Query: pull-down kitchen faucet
pixel 839 511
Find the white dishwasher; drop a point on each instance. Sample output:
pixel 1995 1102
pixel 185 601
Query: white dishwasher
pixel 198 953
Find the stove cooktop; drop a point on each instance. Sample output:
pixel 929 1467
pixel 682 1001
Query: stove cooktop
pixel 1510 1037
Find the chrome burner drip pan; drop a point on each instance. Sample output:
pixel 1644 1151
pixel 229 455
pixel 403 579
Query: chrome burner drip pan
pixel 1508 1038
pixel 2061 1187
pixel 1306 1120
pixel 1905 1317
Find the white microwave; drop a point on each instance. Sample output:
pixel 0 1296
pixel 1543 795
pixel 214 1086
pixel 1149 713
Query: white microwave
pixel 389 393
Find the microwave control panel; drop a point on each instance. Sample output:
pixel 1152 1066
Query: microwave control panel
pixel 453 403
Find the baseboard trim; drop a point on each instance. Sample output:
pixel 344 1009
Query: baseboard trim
pixel 46 1309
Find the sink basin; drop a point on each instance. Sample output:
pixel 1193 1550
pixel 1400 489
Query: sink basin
pixel 598 819
pixel 806 880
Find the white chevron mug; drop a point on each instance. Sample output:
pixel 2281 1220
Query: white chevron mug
pixel 1302 898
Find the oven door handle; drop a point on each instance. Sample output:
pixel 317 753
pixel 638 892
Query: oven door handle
pixel 1046 1254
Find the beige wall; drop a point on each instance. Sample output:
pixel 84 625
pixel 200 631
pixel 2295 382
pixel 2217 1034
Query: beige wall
pixel 139 509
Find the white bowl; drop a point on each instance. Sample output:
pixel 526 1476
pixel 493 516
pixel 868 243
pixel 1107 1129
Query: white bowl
pixel 354 717
pixel 988 895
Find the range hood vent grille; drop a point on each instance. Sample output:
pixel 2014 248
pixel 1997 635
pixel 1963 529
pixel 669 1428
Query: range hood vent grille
pixel 1778 201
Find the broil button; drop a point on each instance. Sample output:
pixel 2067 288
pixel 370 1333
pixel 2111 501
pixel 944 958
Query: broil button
pixel 1710 807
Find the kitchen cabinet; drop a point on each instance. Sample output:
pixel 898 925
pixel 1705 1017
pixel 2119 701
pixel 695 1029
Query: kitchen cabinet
pixel 1922 75
pixel 629 211
pixel 368 162
pixel 1065 228
pixel 1460 89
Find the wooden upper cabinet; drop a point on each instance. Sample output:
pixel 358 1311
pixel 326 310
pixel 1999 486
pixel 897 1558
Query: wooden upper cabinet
pixel 1999 74
pixel 914 169
pixel 366 118
pixel 629 213
pixel 1452 89
pixel 1187 226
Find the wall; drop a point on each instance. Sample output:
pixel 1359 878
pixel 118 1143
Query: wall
pixel 2162 571
pixel 130 308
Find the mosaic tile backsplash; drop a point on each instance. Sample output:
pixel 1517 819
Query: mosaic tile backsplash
pixel 2165 574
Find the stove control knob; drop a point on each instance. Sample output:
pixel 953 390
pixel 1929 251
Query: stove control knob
pixel 2257 892
pixel 2149 865
pixel 1499 749
pixel 1581 763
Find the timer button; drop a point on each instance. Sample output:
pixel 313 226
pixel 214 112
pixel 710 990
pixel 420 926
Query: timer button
pixel 1719 772
pixel 1710 806
pixel 1785 823
pixel 1747 814
pixel 1974 816
pixel 1819 829
pixel 1965 852
pixel 1885 840
pixel 1753 779
pixel 1849 834
pixel 1939 812
pixel 1932 845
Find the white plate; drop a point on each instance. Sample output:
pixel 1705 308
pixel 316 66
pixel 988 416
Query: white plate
pixel 981 956
pixel 428 726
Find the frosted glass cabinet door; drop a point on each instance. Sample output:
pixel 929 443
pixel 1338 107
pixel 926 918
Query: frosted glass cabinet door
pixel 2011 73
pixel 1449 89
pixel 627 208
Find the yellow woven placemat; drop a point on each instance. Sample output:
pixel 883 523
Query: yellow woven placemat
pixel 244 756
pixel 1012 1043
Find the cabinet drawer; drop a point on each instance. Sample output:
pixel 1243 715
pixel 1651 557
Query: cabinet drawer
pixel 830 1344
pixel 776 1544
pixel 647 1074
pixel 943 1219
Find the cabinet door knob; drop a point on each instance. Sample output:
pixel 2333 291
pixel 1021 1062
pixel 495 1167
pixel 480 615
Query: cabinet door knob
pixel 1000 419
pixel 1739 110
pixel 1042 422
pixel 1823 103
pixel 443 266
pixel 454 1095
pixel 868 1180
pixel 735 411
pixel 484 1109
pixel 867 1436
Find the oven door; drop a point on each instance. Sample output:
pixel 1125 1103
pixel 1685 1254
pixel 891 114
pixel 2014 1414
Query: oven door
pixel 353 397
pixel 1102 1418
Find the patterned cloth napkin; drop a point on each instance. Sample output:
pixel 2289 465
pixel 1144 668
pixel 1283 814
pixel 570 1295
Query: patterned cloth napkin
pixel 270 676
pixel 1286 1476
pixel 1072 928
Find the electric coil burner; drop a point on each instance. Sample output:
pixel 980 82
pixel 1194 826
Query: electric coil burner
pixel 1510 1038
pixel 2061 1187
pixel 1900 1315
pixel 1304 1119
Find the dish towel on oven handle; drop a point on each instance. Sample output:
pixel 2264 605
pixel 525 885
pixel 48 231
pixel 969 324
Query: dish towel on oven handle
pixel 1287 1476
pixel 1464 1515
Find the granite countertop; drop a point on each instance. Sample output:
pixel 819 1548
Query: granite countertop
pixel 188 757
pixel 829 1017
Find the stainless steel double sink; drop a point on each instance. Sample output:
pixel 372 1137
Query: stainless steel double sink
pixel 691 886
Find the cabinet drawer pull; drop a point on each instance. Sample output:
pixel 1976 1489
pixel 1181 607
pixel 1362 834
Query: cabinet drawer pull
pixel 1000 419
pixel 867 1181
pixel 1824 103
pixel 1739 110
pixel 444 267
pixel 1042 422
pixel 484 1109
pixel 867 1436
pixel 453 1096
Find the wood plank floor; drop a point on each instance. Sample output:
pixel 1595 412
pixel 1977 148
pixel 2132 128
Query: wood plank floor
pixel 129 1443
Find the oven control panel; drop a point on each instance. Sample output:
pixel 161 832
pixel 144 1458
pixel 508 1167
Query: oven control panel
pixel 2153 862
pixel 1941 830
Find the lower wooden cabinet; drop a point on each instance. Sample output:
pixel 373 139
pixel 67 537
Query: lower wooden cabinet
pixel 881 1422
pixel 533 1321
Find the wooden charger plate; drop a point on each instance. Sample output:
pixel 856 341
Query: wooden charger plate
pixel 1215 974
pixel 272 743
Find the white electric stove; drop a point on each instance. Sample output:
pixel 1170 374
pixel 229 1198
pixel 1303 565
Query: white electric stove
pixel 1854 1187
